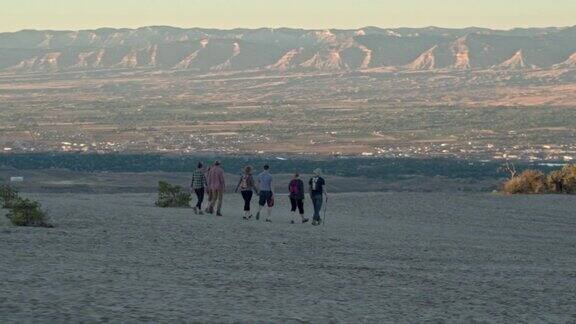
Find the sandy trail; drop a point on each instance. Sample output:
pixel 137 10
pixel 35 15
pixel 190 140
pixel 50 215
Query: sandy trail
pixel 397 257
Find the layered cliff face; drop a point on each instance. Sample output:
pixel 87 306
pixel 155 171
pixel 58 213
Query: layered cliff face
pixel 208 50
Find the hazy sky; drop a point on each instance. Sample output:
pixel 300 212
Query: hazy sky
pixel 85 14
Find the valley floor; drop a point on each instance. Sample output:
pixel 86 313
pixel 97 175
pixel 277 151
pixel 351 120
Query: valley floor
pixel 395 257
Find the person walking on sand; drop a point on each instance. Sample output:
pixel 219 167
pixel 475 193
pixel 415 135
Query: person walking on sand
pixel 266 196
pixel 208 191
pixel 198 185
pixel 247 188
pixel 216 186
pixel 296 190
pixel 317 193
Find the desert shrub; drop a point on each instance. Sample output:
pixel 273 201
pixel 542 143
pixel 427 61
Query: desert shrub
pixel 554 181
pixel 569 181
pixel 170 196
pixel 8 195
pixel 528 182
pixel 562 181
pixel 26 212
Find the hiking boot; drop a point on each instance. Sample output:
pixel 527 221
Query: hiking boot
pixel 219 214
pixel 305 220
pixel 268 220
pixel 315 222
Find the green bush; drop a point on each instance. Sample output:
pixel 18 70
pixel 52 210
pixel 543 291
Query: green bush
pixel 25 212
pixel 8 195
pixel 170 196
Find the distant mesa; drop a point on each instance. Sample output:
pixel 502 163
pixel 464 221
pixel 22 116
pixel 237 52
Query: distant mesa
pixel 516 62
pixel 568 64
pixel 189 61
pixel 325 60
pixel 287 60
pixel 229 63
pixel 367 60
pixel 285 50
pixel 426 61
pixel 461 55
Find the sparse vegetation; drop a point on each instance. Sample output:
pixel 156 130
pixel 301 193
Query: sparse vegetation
pixel 26 212
pixel 563 181
pixel 170 196
pixel 528 182
pixel 536 182
pixel 8 195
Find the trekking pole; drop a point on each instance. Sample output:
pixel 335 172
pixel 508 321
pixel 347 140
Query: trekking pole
pixel 325 209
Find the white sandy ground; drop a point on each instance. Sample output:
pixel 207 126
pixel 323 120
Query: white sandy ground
pixel 396 257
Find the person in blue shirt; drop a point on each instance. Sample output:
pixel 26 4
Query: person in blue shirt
pixel 266 196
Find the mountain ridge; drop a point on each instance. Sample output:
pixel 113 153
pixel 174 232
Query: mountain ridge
pixel 287 49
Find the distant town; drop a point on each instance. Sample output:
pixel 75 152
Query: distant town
pixel 479 147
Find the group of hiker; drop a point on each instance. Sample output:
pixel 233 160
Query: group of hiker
pixel 212 182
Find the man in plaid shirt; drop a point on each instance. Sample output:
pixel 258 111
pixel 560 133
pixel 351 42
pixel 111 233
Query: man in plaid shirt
pixel 198 185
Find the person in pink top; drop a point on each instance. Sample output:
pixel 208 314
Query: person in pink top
pixel 216 187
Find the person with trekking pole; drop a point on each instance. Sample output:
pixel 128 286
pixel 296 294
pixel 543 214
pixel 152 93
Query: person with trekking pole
pixel 317 194
pixel 325 211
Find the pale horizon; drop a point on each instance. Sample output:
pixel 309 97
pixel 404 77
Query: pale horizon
pixel 282 27
pixel 19 15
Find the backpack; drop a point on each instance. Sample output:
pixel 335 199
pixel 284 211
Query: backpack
pixel 294 189
pixel 271 201
pixel 244 183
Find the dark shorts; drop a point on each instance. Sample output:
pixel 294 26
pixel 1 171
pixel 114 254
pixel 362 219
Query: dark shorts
pixel 297 204
pixel 265 198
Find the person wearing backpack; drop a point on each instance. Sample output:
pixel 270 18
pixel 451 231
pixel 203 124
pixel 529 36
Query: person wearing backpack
pixel 296 190
pixel 317 193
pixel 246 187
pixel 199 185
